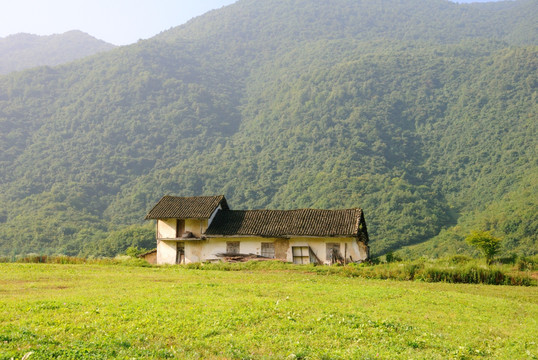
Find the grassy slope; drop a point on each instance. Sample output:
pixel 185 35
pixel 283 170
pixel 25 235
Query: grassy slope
pixel 83 311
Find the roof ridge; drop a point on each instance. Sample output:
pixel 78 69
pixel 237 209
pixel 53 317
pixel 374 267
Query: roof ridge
pixel 343 209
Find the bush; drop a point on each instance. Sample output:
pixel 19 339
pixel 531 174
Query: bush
pixel 511 259
pixel 459 259
pixel 392 257
pixel 527 264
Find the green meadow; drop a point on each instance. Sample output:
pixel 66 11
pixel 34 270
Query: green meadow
pixel 84 311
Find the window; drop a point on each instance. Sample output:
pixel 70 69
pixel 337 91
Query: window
pixel 301 254
pixel 268 250
pixel 232 247
pixel 333 252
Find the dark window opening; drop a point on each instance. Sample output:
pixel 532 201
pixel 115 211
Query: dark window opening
pixel 232 247
pixel 333 252
pixel 180 228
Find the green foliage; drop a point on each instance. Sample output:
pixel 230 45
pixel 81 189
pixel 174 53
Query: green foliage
pixel 421 113
pixel 488 244
pixel 134 251
pixel 62 259
pixel 391 257
pixel 528 263
pixel 457 269
pixel 132 241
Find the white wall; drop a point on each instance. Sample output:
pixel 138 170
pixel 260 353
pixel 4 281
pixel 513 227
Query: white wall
pixel 166 252
pixel 203 250
pixel 166 228
pixel 218 245
pixel 319 247
pixel 197 227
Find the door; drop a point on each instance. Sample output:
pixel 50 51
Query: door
pixel 180 254
pixel 301 254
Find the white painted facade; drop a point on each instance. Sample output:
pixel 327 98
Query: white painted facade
pixel 175 244
pixel 197 250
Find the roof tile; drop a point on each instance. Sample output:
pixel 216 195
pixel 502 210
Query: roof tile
pixel 303 222
pixel 195 207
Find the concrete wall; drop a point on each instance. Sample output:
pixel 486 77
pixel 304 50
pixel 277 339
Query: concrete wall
pixel 194 251
pixel 167 227
pixel 197 227
pixel 151 257
pixel 166 252
pixel 247 245
pixel 204 250
pixel 349 248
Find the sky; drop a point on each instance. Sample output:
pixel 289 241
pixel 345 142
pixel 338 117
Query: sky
pixel 119 22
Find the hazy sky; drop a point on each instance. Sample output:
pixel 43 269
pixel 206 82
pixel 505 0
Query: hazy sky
pixel 119 22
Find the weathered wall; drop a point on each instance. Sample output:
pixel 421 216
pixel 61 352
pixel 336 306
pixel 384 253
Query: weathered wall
pixel 166 252
pixel 281 249
pixel 194 251
pixel 166 228
pixel 151 257
pixel 205 250
pixel 351 252
pixel 248 245
pixel 364 251
pixel 197 227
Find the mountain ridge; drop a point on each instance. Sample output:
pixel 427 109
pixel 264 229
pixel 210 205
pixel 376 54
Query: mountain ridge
pixel 23 51
pixel 403 128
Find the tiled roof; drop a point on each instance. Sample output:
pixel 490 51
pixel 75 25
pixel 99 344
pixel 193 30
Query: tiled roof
pixel 304 222
pixel 195 207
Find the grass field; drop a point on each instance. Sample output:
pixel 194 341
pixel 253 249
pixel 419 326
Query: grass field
pixel 112 311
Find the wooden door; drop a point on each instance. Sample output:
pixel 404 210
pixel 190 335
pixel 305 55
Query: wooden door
pixel 180 254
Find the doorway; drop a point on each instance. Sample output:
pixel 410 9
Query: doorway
pixel 180 254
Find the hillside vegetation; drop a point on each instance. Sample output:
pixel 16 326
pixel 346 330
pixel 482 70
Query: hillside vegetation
pixel 24 51
pixel 422 113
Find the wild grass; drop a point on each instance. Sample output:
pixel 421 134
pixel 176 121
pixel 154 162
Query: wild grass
pixel 451 270
pixel 455 269
pixel 265 311
pixel 62 259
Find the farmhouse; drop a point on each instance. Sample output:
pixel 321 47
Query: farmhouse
pixel 204 228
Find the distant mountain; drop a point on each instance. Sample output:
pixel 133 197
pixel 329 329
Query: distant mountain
pixel 422 112
pixel 24 51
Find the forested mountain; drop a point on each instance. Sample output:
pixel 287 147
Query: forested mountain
pixel 423 113
pixel 24 51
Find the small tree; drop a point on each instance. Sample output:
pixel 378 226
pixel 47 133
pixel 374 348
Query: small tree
pixel 485 242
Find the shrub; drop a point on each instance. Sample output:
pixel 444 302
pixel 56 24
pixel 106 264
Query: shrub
pixel 485 242
pixel 459 259
pixel 392 257
pixel 527 264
